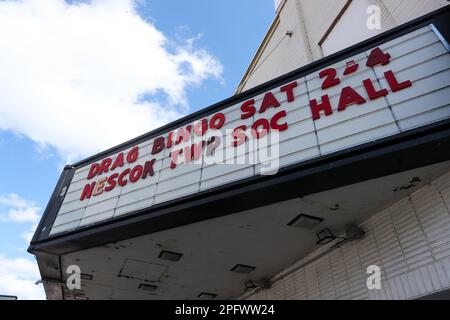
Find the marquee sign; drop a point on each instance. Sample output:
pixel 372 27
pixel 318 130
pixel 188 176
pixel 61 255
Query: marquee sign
pixel 386 90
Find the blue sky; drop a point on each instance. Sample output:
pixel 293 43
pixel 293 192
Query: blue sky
pixel 117 61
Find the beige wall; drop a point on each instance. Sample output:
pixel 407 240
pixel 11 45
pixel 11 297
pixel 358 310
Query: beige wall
pixel 318 16
pixel 309 20
pixel 409 241
pixel 280 53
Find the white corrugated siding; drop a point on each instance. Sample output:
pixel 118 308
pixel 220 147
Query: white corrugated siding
pixel 409 241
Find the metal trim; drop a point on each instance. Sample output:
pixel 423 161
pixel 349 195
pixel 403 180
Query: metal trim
pixel 440 37
pixel 421 147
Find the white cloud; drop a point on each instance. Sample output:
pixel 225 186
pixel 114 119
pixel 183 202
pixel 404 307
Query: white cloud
pixel 24 215
pixel 13 200
pixel 20 210
pixel 18 277
pixel 28 234
pixel 73 76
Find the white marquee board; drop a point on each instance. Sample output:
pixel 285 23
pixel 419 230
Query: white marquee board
pixel 419 56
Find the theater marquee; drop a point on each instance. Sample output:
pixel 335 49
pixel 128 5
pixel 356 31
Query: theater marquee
pixel 380 91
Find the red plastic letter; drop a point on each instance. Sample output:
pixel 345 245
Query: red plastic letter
pixel 348 97
pixel 274 121
pixel 289 89
pixel 158 145
pixel 93 170
pixel 372 92
pixel 87 191
pixel 247 108
pixel 264 123
pixel 269 101
pixel 393 83
pixel 239 135
pixel 324 106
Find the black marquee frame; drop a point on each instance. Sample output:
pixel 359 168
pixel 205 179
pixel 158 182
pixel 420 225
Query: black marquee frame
pixel 408 150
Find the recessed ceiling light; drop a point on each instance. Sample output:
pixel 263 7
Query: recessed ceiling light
pixel 335 207
pixel 207 296
pixel 86 276
pixel 169 255
pixel 305 221
pixel 240 268
pixel 147 287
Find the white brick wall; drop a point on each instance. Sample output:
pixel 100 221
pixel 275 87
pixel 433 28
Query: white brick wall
pixel 409 241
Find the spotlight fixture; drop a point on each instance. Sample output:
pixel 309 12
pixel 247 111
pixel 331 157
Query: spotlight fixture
pixel 147 287
pixel 326 236
pixel 354 232
pixel 207 296
pixel 240 268
pixel 169 255
pixel 250 285
pixel 265 283
pixel 305 221
pixel 86 276
pixel 411 184
pixel 335 207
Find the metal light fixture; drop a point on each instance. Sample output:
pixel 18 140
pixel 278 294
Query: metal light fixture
pixel 86 276
pixel 240 268
pixel 147 287
pixel 250 285
pixel 263 284
pixel 326 236
pixel 169 255
pixel 354 232
pixel 207 296
pixel 305 221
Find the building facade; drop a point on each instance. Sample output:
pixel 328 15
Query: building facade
pixel 327 175
pixel 304 31
pixel 410 239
